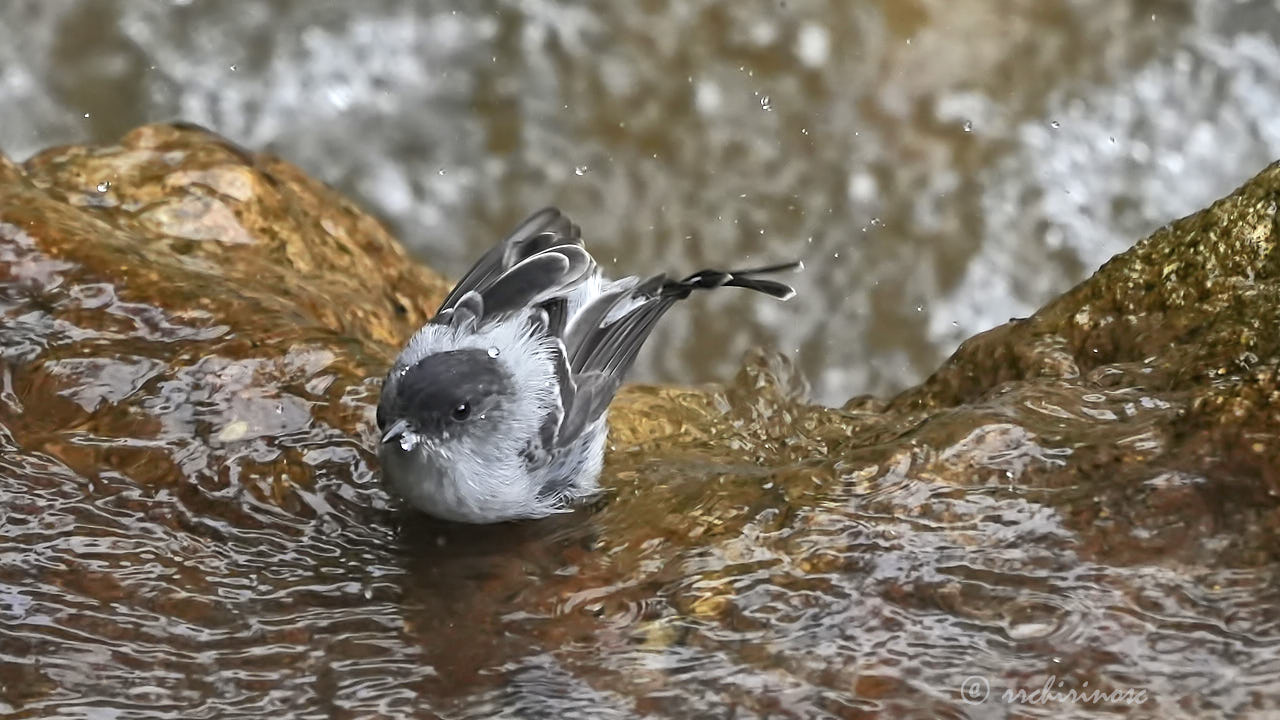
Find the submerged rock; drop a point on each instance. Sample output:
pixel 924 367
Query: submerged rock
pixel 191 343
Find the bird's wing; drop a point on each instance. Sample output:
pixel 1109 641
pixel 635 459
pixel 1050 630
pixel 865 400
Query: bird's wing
pixel 503 271
pixel 602 339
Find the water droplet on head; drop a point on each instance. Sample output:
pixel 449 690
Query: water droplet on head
pixel 581 170
pixel 493 352
pixel 765 103
pixel 104 186
pixel 968 126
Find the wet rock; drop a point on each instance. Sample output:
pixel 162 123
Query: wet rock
pixel 181 297
pixel 191 342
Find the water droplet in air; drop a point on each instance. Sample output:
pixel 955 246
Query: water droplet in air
pixel 232 67
pixel 104 186
pixel 86 115
pixel 580 170
pixel 1055 124
pixel 493 352
pixel 968 126
pixel 442 172
pixel 765 103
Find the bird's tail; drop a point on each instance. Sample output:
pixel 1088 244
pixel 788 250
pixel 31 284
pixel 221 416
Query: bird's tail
pixel 606 335
pixel 752 279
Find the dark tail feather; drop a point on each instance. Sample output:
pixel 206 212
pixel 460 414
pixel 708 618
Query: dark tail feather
pixel 750 279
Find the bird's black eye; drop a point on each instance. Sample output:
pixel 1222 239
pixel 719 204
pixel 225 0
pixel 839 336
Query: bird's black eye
pixel 460 412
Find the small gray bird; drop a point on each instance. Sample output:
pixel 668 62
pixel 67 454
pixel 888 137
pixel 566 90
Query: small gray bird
pixel 496 408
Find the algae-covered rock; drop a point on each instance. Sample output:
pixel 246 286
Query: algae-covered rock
pixel 191 340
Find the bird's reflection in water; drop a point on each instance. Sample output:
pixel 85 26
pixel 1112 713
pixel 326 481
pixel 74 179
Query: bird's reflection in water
pixel 478 596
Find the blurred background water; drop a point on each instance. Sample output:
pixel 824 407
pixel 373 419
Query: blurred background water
pixel 941 165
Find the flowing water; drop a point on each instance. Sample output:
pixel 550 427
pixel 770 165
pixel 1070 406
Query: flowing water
pixel 190 521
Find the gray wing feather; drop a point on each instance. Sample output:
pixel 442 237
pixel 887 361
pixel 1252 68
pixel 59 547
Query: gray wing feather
pixel 591 399
pixel 611 348
pixel 586 324
pixel 603 339
pixel 518 287
pixel 557 311
pixel 542 276
pixel 467 311
pixel 598 351
pixel 540 231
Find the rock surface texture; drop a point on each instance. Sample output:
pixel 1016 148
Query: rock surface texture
pixel 191 341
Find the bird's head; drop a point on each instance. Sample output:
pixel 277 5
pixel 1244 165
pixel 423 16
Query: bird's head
pixel 455 403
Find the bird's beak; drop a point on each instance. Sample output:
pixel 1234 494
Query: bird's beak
pixel 398 428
